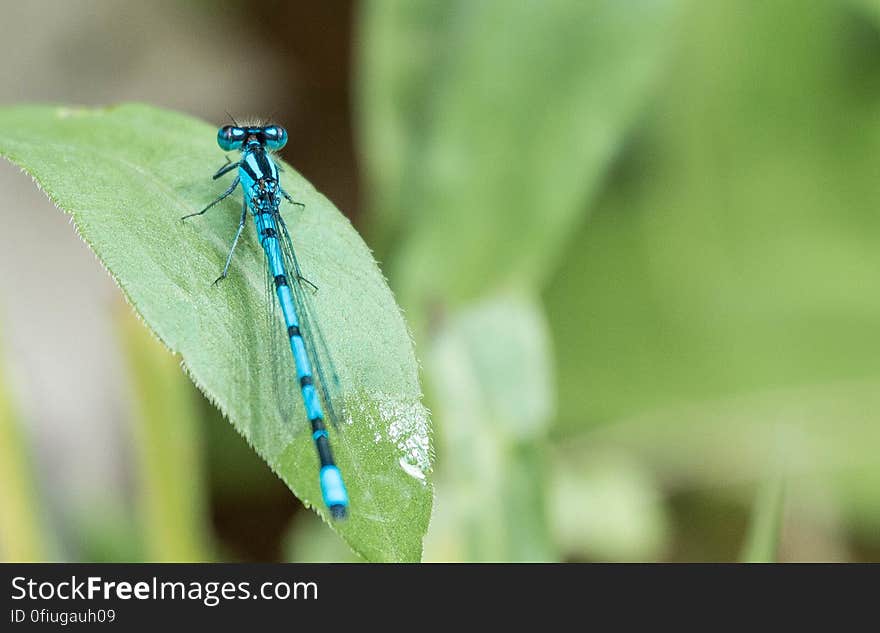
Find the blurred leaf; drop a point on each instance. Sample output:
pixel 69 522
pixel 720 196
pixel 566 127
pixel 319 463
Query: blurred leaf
pixel 828 432
pixel 523 496
pixel 402 53
pixel 308 541
pixel 605 507
pixel 734 252
pixel 487 126
pixel 167 448
pixel 235 472
pixel 21 533
pixel 490 375
pixel 126 175
pixel 726 291
pixel 871 6
pixel 104 533
pixel 762 541
pixel 505 347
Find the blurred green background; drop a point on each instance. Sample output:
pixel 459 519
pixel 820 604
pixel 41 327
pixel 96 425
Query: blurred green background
pixel 636 243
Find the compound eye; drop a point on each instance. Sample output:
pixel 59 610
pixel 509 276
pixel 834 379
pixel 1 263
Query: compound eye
pixel 230 137
pixel 276 137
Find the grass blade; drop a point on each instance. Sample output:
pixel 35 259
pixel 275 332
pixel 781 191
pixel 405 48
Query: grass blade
pixel 762 540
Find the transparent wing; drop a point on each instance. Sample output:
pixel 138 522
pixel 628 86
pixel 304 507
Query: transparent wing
pixel 284 384
pixel 324 368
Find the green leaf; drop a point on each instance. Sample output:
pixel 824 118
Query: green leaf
pixel 729 257
pixel 725 291
pixel 871 7
pixel 491 378
pixel 126 175
pixel 488 125
pixel 403 51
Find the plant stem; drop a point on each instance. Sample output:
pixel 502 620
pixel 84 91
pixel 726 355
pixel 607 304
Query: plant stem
pixel 762 541
pixel 20 528
pixel 167 449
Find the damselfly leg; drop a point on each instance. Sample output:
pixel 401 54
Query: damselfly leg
pixel 241 223
pixel 223 195
pixel 229 166
pixel 291 201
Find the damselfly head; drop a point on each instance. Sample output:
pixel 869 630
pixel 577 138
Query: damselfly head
pixel 231 137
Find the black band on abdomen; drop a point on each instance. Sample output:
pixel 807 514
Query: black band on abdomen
pixel 324 452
